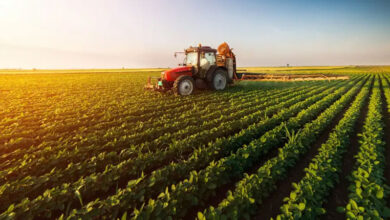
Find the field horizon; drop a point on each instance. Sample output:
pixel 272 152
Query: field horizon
pixel 269 69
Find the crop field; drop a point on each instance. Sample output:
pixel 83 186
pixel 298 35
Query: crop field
pixel 92 144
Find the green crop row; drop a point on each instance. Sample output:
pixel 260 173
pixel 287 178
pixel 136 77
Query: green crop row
pixel 135 123
pixel 67 193
pixel 200 186
pixel 126 119
pixel 125 125
pixel 150 187
pixel 68 113
pixel 307 197
pixel 386 90
pixel 17 190
pixel 172 173
pixel 367 190
pixel 83 131
pixel 121 140
pixel 90 166
pixel 253 189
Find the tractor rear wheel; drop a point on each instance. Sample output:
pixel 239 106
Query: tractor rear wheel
pixel 184 85
pixel 218 80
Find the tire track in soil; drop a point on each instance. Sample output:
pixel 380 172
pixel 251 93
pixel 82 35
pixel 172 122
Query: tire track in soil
pixel 270 206
pixel 339 194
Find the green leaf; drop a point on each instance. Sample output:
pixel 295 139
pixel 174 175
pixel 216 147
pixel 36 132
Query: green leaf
pixel 285 209
pixel 379 194
pixel 301 206
pixel 79 197
pixel 351 215
pixel 161 195
pixel 11 208
pixel 320 211
pixel 124 216
pixel 201 216
pixel 359 192
pixel 293 195
pixel 340 209
pixel 354 204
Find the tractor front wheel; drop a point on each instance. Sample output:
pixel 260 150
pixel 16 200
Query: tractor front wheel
pixel 184 85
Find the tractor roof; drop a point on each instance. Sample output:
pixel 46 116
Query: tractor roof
pixel 200 48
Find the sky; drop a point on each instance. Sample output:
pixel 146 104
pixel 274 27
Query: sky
pixel 59 34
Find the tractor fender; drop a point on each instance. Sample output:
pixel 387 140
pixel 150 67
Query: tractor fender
pixel 211 70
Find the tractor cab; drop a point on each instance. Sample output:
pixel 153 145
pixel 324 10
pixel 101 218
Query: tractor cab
pixel 202 68
pixel 201 59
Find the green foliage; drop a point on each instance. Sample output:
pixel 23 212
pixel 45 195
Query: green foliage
pixel 367 190
pixel 96 146
pixel 322 171
pixel 262 183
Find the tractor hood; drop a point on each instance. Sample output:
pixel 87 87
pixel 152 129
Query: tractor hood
pixel 172 74
pixel 179 69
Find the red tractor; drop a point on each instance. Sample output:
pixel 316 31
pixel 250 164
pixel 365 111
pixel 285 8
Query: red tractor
pixel 202 68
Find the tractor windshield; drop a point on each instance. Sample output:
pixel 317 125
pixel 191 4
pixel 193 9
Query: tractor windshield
pixel 192 58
